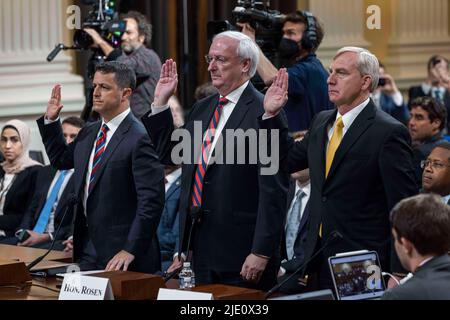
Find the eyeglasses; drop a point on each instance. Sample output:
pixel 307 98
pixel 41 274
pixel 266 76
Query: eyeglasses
pixel 433 164
pixel 219 59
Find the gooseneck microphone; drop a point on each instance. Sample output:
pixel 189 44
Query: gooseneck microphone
pixel 195 217
pixel 334 236
pixel 71 201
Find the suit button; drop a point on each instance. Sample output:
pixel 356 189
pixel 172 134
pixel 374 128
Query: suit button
pixel 205 182
pixel 324 199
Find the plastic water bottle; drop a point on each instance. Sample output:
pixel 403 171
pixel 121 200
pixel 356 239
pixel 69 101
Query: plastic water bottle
pixel 187 277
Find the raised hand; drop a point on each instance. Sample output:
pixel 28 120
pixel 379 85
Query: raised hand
pixel 277 95
pixel 167 84
pixel 54 105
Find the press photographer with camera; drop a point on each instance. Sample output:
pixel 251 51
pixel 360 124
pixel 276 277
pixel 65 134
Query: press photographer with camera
pixel 308 92
pixel 134 52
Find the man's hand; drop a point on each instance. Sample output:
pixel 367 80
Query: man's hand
pixel 35 238
pixel 277 95
pixel 253 268
pixel 167 84
pixel 69 245
pixel 96 38
pixel 176 264
pixel 390 87
pixel 247 30
pixel 54 105
pixel 120 261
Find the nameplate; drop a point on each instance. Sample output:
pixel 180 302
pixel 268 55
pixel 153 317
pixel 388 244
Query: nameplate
pixel 79 287
pixel 175 294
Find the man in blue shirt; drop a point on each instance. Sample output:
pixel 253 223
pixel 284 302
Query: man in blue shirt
pixel 308 91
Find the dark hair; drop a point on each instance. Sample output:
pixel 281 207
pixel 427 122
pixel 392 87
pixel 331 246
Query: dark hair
pixel 296 17
pixel 444 145
pixel 434 109
pixel 144 27
pixel 124 76
pixel 435 60
pixel 425 221
pixel 74 121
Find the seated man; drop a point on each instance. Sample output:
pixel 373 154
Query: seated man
pixel 421 229
pixel 44 216
pixel 425 127
pixel 436 172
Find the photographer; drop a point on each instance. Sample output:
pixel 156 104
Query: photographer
pixel 135 54
pixel 308 92
pixel 388 98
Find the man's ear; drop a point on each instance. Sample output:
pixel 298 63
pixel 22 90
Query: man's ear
pixel 367 82
pixel 436 123
pixel 406 245
pixel 126 93
pixel 141 39
pixel 246 67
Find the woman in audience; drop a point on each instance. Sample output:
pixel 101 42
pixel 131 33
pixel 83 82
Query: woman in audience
pixel 17 176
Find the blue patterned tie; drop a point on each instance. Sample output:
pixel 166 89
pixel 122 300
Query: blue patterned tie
pixel 293 223
pixel 47 209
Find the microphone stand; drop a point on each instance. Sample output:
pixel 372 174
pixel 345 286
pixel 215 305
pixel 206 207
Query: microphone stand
pixel 335 235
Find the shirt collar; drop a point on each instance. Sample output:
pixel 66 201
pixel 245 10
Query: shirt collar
pixel 350 116
pixel 236 94
pixel 171 177
pixel 114 123
pixel 305 188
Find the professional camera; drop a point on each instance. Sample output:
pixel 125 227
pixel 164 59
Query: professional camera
pixel 266 23
pixel 104 20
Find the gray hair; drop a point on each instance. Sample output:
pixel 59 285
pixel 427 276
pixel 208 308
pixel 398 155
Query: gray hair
pixel 246 49
pixel 367 63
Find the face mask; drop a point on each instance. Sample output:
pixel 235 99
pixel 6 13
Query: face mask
pixel 288 48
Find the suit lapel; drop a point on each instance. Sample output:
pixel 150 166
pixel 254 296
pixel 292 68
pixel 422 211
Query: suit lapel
pixel 175 185
pixel 236 117
pixel 359 126
pixel 112 145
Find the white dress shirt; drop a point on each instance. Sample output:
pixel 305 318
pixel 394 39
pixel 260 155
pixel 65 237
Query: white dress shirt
pixel 172 177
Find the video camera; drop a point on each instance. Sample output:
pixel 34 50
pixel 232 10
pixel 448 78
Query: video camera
pixel 266 23
pixel 104 20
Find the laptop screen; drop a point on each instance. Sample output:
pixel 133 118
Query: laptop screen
pixel 357 276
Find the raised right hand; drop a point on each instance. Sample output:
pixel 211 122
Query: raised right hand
pixel 277 95
pixel 167 84
pixel 54 105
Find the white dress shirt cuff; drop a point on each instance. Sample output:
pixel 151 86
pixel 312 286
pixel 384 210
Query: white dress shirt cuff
pixel 156 110
pixel 48 121
pixel 176 254
pixel 398 98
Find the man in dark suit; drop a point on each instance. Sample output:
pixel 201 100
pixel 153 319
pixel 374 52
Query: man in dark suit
pixel 421 229
pixel 359 159
pixel 237 239
pixel 52 192
pixel 118 179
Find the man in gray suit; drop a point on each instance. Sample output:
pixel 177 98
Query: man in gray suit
pixel 421 229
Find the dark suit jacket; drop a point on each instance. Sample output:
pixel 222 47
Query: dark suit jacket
pixel 417 91
pixel 372 171
pixel 243 211
pixel 43 181
pixel 127 198
pixel 430 282
pixel 18 199
pixel 169 227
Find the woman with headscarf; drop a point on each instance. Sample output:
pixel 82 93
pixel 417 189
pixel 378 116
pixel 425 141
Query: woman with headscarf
pixel 17 176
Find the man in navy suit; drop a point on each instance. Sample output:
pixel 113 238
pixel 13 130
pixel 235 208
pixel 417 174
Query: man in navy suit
pixel 118 178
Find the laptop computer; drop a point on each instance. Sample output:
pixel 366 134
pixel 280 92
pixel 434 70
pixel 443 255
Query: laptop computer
pixel 357 275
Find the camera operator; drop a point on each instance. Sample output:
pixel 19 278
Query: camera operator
pixel 308 91
pixel 135 54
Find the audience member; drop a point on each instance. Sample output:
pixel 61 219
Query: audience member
pixel 436 171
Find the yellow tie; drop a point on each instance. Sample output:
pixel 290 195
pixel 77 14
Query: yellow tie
pixel 335 141
pixel 334 144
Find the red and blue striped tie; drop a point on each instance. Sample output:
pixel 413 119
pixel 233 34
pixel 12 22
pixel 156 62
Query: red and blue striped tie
pixel 100 145
pixel 202 162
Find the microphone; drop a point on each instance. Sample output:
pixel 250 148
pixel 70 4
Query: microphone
pixel 196 213
pixel 55 52
pixel 71 201
pixel 334 236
